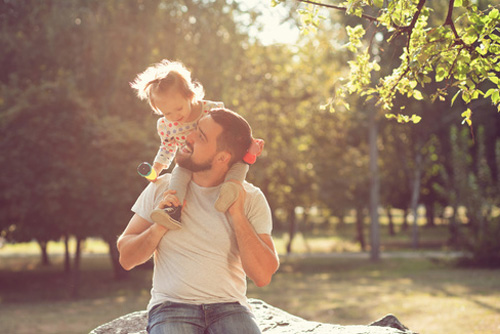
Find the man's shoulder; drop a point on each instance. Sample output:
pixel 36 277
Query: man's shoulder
pixel 252 190
pixel 161 184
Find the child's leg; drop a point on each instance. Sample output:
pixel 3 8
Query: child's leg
pixel 229 191
pixel 179 181
pixel 170 217
pixel 237 172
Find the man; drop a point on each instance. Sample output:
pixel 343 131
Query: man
pixel 199 280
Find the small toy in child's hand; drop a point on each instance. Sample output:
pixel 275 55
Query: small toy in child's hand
pixel 147 171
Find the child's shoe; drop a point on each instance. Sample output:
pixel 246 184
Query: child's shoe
pixel 169 217
pixel 228 194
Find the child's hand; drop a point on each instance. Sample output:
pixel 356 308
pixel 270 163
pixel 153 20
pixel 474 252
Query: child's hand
pixel 169 199
pixel 257 146
pixel 158 167
pixel 254 151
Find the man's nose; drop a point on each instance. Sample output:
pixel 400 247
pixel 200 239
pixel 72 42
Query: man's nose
pixel 190 136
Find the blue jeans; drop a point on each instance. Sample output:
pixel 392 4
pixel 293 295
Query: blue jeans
pixel 220 318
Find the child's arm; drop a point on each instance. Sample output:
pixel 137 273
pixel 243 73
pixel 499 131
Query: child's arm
pixel 166 152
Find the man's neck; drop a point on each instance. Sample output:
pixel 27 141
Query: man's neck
pixel 209 178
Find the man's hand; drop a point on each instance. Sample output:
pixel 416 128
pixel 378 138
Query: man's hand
pixel 138 242
pixel 258 254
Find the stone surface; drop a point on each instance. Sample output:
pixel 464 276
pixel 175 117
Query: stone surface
pixel 271 320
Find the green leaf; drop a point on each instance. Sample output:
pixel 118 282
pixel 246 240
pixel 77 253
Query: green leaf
pixel 489 92
pixel 415 119
pixel 494 14
pixel 495 97
pixel 418 95
pixel 466 115
pixel 440 73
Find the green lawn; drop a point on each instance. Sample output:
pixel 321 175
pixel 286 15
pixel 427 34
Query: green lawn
pixel 429 295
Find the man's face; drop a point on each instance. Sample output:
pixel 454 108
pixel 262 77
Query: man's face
pixel 198 153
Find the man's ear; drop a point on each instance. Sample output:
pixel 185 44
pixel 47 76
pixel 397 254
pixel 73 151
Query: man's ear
pixel 223 157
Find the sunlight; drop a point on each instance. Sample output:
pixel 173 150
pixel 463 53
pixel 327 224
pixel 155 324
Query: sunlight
pixel 273 30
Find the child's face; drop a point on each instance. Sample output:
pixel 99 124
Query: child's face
pixel 173 105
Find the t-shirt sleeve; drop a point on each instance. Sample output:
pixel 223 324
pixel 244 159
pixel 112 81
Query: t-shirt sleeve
pixel 150 197
pixel 259 213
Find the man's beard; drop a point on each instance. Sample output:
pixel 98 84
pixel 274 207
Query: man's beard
pixel 189 164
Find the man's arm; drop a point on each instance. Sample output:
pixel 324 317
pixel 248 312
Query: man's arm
pixel 258 254
pixel 138 242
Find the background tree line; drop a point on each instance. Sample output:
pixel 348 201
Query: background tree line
pixel 73 132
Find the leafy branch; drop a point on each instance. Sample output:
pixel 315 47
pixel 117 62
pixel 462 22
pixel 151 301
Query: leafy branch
pixel 463 53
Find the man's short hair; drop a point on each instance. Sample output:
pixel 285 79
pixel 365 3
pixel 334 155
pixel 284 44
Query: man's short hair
pixel 236 135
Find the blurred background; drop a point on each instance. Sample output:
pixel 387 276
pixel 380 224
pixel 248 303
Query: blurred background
pixel 73 133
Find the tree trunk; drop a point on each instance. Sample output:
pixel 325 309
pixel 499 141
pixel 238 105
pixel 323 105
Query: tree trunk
pixel 359 228
pixel 429 214
pixel 414 198
pixel 374 188
pixel 45 256
pixel 292 221
pixel 67 255
pixel 341 225
pixel 405 220
pixel 75 275
pixel 392 232
pixel 454 226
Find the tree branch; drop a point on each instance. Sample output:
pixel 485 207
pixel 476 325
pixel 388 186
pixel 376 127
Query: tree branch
pixel 409 28
pixel 449 19
pixel 449 22
pixel 344 9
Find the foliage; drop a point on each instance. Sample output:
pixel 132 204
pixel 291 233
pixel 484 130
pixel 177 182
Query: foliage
pixel 460 53
pixel 471 182
pixel 74 131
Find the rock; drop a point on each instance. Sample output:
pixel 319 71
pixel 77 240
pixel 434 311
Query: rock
pixel 271 320
pixel 390 321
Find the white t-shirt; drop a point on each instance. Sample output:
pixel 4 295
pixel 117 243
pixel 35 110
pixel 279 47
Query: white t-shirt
pixel 200 263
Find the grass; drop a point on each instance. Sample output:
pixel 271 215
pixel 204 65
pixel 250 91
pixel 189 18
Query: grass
pixel 428 295
pixel 37 300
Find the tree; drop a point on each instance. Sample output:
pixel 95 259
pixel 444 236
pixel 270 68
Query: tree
pixel 460 55
pixel 460 52
pixel 75 131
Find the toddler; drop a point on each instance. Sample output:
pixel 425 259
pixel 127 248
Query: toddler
pixel 171 92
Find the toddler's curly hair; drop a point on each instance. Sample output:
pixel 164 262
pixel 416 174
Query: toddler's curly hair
pixel 162 76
